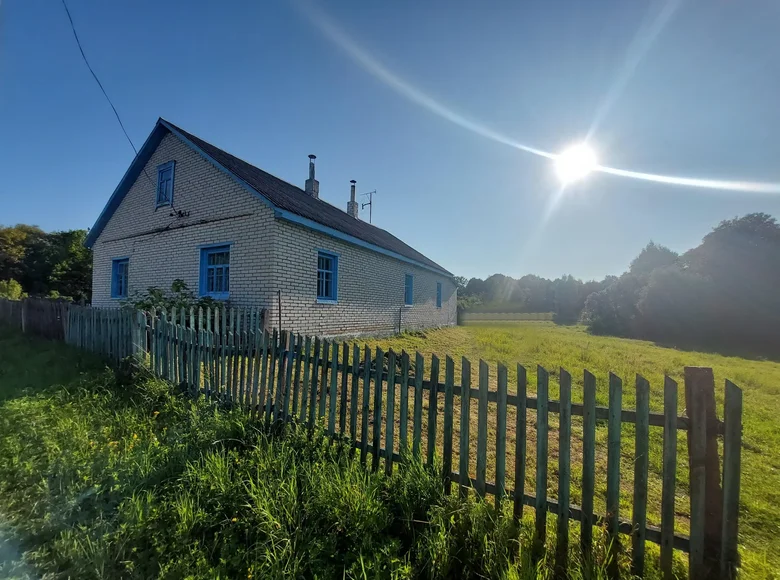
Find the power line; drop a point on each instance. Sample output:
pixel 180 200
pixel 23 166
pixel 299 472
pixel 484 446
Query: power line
pixel 97 80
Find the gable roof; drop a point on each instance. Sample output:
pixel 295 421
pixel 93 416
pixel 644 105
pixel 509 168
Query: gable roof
pixel 288 201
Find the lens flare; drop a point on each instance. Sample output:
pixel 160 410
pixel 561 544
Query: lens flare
pixel 575 163
pixel 333 33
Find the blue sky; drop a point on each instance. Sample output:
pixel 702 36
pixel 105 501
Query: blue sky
pixel 264 81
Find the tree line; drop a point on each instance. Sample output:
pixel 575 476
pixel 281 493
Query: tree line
pixel 722 295
pixel 37 263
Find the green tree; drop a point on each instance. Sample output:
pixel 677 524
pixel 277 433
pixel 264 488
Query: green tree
pixel 651 257
pixel 11 290
pixel 44 263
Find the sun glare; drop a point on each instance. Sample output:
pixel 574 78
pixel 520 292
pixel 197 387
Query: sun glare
pixel 575 163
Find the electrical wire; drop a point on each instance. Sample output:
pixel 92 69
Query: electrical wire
pixel 94 76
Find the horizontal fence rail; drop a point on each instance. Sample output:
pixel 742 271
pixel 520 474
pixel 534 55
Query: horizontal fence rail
pixel 486 434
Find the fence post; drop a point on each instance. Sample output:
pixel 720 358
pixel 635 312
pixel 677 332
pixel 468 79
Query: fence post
pixel 24 315
pixel 732 450
pixel 704 465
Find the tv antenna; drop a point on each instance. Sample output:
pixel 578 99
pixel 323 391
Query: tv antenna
pixel 369 203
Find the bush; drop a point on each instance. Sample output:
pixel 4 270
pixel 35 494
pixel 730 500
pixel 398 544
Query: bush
pixel 613 310
pixel 11 290
pixel 179 296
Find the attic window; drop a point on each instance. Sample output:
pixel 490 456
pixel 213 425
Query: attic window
pixel 165 183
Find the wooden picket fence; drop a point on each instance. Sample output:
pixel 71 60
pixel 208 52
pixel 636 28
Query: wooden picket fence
pixel 39 316
pixel 390 404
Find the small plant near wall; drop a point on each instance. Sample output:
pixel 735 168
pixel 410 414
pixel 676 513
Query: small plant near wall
pixel 179 296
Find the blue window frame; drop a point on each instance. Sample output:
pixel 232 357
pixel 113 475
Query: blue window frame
pixel 438 294
pixel 119 277
pixel 165 183
pixel 327 276
pixel 409 290
pixel 215 272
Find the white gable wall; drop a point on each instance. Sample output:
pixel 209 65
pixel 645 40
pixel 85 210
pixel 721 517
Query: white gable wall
pixel 220 211
pixel 267 255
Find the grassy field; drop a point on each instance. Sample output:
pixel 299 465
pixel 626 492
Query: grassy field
pixel 99 480
pixel 105 476
pixel 572 348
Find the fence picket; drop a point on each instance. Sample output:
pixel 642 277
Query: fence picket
pixel 344 382
pixel 366 404
pixel 235 353
pixel 542 380
pixel 334 379
pixel 520 443
pixel 390 414
pixel 306 379
pixel 314 374
pixel 419 371
pixel 501 436
pixel 482 409
pixel 284 347
pixel 292 344
pixel 433 408
pixel 732 449
pixel 403 431
pixel 588 462
pixel 641 466
pixel 465 421
pixel 297 378
pixel 564 472
pixel 613 467
pixel 269 396
pixel 261 387
pixel 378 366
pixel 326 346
pixel 353 403
pixel 243 355
pixel 449 384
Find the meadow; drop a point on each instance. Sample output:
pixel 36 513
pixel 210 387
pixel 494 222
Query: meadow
pixel 107 475
pixel 571 347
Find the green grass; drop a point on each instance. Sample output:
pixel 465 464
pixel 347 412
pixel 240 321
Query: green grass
pixel 572 348
pixel 116 477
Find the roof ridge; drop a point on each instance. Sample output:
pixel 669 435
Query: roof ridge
pixel 302 191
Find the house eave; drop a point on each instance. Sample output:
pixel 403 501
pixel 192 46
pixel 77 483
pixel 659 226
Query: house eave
pixel 334 233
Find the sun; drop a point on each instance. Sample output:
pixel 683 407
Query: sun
pixel 575 163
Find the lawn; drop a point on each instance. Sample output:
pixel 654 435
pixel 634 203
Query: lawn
pixel 106 475
pixel 574 349
pixel 100 479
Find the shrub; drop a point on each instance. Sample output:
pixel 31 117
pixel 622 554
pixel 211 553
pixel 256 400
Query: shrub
pixel 11 290
pixel 179 296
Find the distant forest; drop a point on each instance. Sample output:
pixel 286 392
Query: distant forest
pixel 722 295
pixel 37 263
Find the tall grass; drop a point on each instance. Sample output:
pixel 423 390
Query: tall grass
pixel 102 478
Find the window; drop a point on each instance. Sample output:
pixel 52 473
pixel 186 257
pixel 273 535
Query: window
pixel 119 271
pixel 409 290
pixel 327 276
pixel 438 294
pixel 215 272
pixel 165 183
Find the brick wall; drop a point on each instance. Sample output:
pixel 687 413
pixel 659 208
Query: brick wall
pixel 156 258
pixel 370 289
pixel 267 255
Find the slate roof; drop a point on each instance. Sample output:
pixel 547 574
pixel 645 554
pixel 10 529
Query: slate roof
pixel 291 198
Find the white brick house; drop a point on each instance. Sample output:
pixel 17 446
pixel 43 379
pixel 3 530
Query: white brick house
pixel 188 210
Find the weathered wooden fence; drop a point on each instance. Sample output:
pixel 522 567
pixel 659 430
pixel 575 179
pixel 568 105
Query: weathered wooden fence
pixel 38 316
pixel 388 404
pixel 475 316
